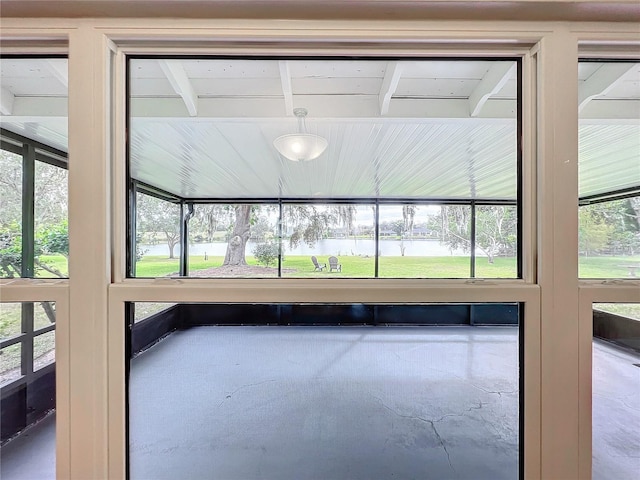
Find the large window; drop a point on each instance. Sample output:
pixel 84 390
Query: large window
pixel 609 160
pixel 27 363
pixel 240 391
pixel 34 244
pixel 34 239
pixel 158 245
pixel 324 168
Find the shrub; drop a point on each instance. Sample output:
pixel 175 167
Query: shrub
pixel 266 253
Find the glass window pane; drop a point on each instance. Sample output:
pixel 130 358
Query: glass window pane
pixel 425 241
pixel 297 402
pixel 43 137
pixel 44 314
pixel 609 239
pixel 157 236
pixel 609 169
pixel 234 240
pixel 496 241
pixel 144 310
pixel 44 350
pixel 616 391
pixel 10 320
pixel 323 240
pixel 10 363
pixel 51 226
pixel 10 214
pixel 421 144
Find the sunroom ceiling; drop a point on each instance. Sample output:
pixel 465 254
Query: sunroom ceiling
pixel 203 128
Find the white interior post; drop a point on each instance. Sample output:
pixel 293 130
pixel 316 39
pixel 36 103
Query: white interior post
pixel 558 253
pixel 89 248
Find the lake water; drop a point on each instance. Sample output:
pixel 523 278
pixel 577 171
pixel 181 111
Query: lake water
pixel 332 246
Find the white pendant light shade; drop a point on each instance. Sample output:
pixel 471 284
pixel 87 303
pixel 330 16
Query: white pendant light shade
pixel 301 146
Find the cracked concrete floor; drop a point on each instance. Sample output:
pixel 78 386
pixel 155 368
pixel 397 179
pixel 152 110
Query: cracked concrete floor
pixel 327 403
pixel 279 404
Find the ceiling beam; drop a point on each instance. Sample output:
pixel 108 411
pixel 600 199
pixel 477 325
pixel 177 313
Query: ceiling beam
pixel 287 91
pixel 602 81
pixel 181 84
pixel 322 106
pixel 7 100
pixel 58 68
pixel 390 81
pixel 492 82
pixel 34 109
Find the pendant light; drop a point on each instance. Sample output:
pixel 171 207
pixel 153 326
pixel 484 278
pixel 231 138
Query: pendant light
pixel 301 146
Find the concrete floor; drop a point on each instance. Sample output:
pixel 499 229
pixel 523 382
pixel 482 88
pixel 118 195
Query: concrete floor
pixel 327 403
pixel 616 413
pixel 32 455
pixel 291 402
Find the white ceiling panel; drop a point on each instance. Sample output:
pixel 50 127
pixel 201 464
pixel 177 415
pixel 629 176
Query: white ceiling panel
pixel 230 69
pixel 336 86
pixel 412 129
pixel 33 86
pixel 145 69
pixel 336 68
pixel 462 70
pixel 364 160
pixel 52 132
pixel 435 88
pixel 152 87
pixel 509 90
pixel 609 158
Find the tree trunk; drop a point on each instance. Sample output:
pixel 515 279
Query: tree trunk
pixel 48 309
pixel 238 242
pixel 171 242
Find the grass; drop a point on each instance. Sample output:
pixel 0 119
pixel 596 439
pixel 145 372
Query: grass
pixel 58 262
pixel 631 310
pixel 301 266
pixel 395 267
pixel 606 267
pixel 390 267
pixel 10 326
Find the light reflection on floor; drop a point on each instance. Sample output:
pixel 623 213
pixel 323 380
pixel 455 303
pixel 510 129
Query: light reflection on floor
pixel 360 382
pixel 327 403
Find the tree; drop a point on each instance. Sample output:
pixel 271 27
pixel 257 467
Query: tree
pixel 159 216
pixel 408 214
pixel 55 239
pixel 496 232
pixel 209 219
pixel 612 227
pixel 266 253
pixel 301 223
pixel 397 226
pixel 50 218
pixel 11 251
pixel 593 232
pixel 240 234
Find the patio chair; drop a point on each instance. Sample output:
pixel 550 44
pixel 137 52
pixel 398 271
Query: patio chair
pixel 318 267
pixel 334 265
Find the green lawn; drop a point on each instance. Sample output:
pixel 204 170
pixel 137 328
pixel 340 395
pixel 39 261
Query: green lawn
pixel 301 266
pixel 10 326
pixel 606 267
pixel 396 267
pixel 58 262
pixel 390 267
